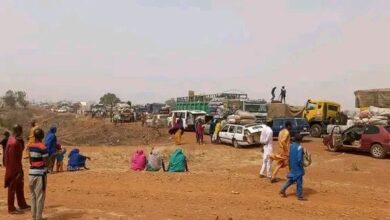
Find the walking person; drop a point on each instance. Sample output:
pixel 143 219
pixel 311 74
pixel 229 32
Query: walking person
pixel 297 170
pixel 38 154
pixel 284 145
pixel 212 129
pixel 199 130
pixel 273 93
pixel 51 144
pixel 266 140
pixel 13 179
pixel 178 131
pixel 283 95
pixel 3 143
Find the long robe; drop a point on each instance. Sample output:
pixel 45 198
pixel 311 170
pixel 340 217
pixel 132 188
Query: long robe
pixel 296 162
pixel 284 145
pixel 13 159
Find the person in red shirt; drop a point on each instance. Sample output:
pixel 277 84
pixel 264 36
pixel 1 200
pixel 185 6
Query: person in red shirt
pixel 13 179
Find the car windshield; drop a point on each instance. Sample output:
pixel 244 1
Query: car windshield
pixel 301 122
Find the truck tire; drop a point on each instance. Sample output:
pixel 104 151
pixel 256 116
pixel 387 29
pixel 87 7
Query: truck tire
pixel 316 130
pixel 378 151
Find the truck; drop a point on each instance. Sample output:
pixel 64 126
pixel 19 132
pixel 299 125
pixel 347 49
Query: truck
pixel 230 100
pixel 317 112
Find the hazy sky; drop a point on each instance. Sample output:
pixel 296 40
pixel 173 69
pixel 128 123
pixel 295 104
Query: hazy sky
pixel 151 50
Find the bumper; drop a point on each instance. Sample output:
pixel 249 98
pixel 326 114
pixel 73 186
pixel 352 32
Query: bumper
pixel 304 133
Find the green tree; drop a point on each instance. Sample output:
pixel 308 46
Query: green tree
pixel 129 103
pixel 109 99
pixel 171 103
pixel 10 99
pixel 21 98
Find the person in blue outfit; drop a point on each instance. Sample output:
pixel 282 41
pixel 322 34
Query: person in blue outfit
pixel 51 144
pixel 297 170
pixel 76 160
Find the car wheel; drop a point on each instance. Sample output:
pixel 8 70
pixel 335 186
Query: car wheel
pixel 316 130
pixel 377 151
pixel 235 144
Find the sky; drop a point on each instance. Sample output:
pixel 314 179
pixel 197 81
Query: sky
pixel 152 50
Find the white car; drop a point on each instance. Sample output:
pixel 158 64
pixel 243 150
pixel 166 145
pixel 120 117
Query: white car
pixel 241 135
pixel 188 118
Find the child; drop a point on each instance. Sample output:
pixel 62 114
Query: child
pixel 60 158
pixel 297 170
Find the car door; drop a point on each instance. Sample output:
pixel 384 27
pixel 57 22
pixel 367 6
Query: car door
pixel 239 134
pixel 223 134
pixel 231 133
pixel 369 136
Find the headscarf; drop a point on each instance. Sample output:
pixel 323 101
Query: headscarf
pixel 138 160
pixel 51 140
pixel 177 162
pixel 154 160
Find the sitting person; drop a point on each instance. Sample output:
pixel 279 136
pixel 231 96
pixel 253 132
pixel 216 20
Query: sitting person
pixel 178 162
pixel 76 160
pixel 155 161
pixel 138 161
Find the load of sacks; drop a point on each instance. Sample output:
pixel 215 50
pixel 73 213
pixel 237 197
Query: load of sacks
pixel 241 117
pixel 373 116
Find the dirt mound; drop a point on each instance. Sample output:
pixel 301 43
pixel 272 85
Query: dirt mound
pixel 78 130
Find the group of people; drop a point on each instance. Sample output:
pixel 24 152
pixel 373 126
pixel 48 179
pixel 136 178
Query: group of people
pixel 288 155
pixel 42 152
pixel 154 162
pixel 282 96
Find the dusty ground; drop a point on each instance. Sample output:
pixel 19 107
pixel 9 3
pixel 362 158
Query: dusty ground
pixel 223 184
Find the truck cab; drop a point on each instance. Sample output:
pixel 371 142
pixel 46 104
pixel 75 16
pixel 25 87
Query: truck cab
pixel 258 108
pixel 318 114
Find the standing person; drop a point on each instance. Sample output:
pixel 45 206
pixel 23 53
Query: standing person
pixel 284 145
pixel 212 129
pixel 199 130
pixel 178 131
pixel 266 140
pixel 38 154
pixel 218 127
pixel 61 151
pixel 297 170
pixel 143 119
pixel 51 144
pixel 283 95
pixel 4 144
pixel 13 179
pixel 273 94
pixel 31 138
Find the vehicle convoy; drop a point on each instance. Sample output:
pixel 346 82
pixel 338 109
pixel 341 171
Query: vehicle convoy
pixel 241 135
pixel 299 126
pixel 367 138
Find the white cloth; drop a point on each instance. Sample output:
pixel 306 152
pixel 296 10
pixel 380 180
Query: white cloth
pixel 266 139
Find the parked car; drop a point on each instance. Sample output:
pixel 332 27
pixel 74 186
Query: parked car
pixel 370 138
pixel 188 118
pixel 299 125
pixel 241 135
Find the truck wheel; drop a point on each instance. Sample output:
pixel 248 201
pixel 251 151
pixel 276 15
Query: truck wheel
pixel 316 130
pixel 235 144
pixel 377 151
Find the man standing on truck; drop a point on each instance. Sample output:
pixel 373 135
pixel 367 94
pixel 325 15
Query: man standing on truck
pixel 273 94
pixel 284 145
pixel 283 95
pixel 266 140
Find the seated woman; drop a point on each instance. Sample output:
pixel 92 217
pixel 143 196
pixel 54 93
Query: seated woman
pixel 178 162
pixel 76 160
pixel 155 161
pixel 138 161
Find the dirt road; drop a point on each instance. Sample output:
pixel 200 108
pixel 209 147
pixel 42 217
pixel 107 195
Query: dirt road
pixel 223 184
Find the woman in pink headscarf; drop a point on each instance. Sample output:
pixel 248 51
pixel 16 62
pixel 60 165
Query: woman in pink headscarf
pixel 138 161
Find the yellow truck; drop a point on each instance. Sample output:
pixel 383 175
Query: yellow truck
pixel 319 113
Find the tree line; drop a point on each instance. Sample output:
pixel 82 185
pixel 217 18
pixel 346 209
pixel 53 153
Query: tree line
pixel 14 98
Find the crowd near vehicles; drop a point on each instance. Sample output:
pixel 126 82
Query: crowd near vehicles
pixel 188 118
pixel 241 135
pixel 367 138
